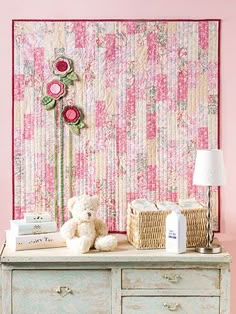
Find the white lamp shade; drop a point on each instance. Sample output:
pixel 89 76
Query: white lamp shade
pixel 209 168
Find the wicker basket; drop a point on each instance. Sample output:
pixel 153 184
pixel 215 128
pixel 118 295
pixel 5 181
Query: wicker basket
pixel 146 229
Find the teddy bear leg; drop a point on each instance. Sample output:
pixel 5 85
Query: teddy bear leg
pixel 105 243
pixel 79 245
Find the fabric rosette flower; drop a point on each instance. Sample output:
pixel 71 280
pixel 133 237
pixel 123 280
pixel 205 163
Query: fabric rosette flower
pixel 55 90
pixel 62 66
pixel 71 114
pixel 73 117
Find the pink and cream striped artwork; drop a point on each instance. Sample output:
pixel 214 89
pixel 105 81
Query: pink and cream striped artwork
pixel 149 95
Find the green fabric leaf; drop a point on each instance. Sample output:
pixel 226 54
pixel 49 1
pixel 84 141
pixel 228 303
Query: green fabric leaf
pixel 81 124
pixel 72 76
pixel 46 100
pixel 74 129
pixel 50 105
pixel 66 80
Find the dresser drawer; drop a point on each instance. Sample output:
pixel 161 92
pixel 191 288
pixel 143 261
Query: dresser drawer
pixel 165 305
pixel 59 291
pixel 193 279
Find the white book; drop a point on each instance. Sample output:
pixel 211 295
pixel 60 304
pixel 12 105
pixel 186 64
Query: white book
pixel 20 227
pixel 32 242
pixel 37 217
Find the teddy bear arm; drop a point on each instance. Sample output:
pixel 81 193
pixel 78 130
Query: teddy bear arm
pixel 101 228
pixel 68 230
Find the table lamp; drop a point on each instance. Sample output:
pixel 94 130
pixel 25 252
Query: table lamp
pixel 209 171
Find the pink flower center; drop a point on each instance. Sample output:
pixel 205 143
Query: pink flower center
pixel 71 114
pixel 55 88
pixel 61 66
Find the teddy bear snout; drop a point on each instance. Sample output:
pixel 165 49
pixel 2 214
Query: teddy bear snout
pixel 89 214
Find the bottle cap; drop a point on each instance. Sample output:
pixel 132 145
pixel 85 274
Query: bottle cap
pixel 176 209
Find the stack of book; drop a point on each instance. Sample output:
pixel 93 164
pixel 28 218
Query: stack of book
pixel 35 231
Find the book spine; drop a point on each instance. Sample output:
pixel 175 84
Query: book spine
pixel 39 245
pixel 31 242
pixel 34 228
pixel 36 218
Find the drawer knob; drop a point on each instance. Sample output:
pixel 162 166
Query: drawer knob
pixel 173 279
pixel 171 306
pixel 63 291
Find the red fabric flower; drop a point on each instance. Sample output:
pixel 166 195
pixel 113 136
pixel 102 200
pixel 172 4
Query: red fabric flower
pixel 62 66
pixel 56 89
pixel 71 114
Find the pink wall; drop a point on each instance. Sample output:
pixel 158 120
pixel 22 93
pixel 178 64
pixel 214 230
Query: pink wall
pixel 125 9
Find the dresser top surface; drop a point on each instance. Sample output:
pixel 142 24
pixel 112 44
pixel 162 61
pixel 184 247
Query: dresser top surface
pixel 125 252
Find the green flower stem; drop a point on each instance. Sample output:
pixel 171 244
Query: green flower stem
pixel 61 162
pixel 55 167
pixel 70 163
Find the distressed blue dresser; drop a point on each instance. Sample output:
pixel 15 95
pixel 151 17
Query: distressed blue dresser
pixel 127 281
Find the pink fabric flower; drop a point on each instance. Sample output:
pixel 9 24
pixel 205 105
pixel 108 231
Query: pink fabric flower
pixel 56 89
pixel 62 66
pixel 71 114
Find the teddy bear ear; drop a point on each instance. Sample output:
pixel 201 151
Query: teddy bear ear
pixel 71 203
pixel 95 201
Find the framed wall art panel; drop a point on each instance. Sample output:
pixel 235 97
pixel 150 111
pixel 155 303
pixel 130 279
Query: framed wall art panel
pixel 112 107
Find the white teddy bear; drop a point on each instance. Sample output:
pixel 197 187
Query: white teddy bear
pixel 85 230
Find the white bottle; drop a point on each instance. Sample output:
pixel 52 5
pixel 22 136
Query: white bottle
pixel 176 232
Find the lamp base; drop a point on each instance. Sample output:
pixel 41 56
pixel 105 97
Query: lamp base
pixel 212 249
